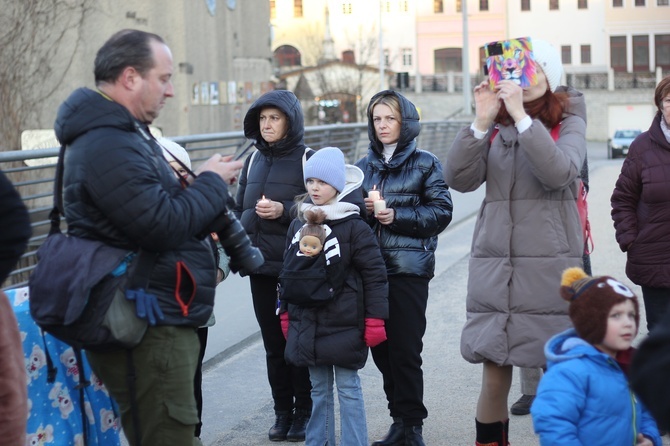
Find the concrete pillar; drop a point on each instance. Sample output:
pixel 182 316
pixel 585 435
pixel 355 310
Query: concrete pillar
pixel 610 79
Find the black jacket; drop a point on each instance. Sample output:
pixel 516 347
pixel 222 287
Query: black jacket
pixel 14 227
pixel 650 370
pixel 119 189
pixel 276 173
pixel 332 334
pixel 412 184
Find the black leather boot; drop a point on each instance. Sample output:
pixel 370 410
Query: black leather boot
pixel 394 437
pixel 300 420
pixel 492 434
pixel 281 427
pixel 413 436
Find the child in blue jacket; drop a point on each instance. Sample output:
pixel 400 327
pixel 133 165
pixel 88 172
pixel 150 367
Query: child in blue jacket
pixel 334 285
pixel 585 398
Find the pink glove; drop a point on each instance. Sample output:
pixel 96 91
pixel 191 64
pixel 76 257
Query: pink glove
pixel 375 333
pixel 283 320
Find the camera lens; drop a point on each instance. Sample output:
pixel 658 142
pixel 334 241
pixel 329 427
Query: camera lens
pixel 244 257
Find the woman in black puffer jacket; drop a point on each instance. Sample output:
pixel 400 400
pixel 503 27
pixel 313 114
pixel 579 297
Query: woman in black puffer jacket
pixel 276 122
pixel 418 208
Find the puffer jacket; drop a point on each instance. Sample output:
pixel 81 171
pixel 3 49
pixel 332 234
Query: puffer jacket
pixel 641 208
pixel 650 370
pixel 119 189
pixel 527 233
pixel 585 399
pixel 411 182
pixel 276 173
pixel 332 334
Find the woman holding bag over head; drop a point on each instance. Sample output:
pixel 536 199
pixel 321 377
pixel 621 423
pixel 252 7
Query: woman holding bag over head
pixel 528 229
pixel 417 208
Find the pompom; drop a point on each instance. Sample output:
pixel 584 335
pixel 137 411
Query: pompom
pixel 571 275
pixel 315 216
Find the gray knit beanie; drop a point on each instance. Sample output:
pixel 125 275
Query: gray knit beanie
pixel 326 165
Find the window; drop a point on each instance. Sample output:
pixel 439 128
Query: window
pixel 640 53
pixel 273 9
pixel 297 8
pixel 582 4
pixel 407 57
pixel 483 5
pixel 618 53
pixel 640 3
pixel 459 6
pixel 287 56
pixel 553 5
pixel 662 2
pixel 585 51
pixel 346 8
pixel 566 54
pixel 403 5
pixel 388 6
pixel 448 59
pixel 663 51
pixel 617 3
pixel 438 6
pixel 525 5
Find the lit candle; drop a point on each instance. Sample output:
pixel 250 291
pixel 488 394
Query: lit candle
pixel 263 200
pixel 379 205
pixel 374 194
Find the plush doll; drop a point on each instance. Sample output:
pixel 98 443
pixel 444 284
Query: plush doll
pixel 313 234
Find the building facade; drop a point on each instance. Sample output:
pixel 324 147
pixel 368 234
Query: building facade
pixel 221 52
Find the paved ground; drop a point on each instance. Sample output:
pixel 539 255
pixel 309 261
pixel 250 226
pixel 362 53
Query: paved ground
pixel 238 406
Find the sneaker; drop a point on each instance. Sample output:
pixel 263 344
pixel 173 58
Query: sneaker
pixel 522 406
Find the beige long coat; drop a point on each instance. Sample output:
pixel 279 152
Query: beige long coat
pixel 527 232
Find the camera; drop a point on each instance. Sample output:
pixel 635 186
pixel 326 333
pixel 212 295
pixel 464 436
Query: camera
pixel 244 257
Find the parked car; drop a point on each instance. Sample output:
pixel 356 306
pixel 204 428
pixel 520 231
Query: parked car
pixel 617 146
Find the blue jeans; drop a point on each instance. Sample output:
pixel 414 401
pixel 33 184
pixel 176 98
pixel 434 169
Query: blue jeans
pixel 321 427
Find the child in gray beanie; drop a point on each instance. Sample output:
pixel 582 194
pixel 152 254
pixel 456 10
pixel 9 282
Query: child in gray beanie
pixel 332 303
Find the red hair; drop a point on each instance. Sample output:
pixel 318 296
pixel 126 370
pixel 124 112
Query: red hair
pixel 548 109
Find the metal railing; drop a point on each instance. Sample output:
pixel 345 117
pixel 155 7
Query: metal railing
pixel 32 171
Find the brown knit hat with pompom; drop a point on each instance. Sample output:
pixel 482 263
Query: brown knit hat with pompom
pixel 591 299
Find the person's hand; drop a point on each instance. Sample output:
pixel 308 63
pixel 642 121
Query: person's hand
pixel 224 166
pixel 283 320
pixel 368 205
pixel 643 441
pixel 268 209
pixel 375 333
pixel 385 216
pixel 512 95
pixel 487 105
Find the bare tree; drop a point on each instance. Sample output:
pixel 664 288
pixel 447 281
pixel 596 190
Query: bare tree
pixel 38 42
pixel 359 80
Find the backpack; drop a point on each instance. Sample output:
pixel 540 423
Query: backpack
pixel 582 204
pixel 311 281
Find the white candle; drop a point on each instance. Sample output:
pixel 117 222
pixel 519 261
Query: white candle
pixel 374 194
pixel 263 200
pixel 379 205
